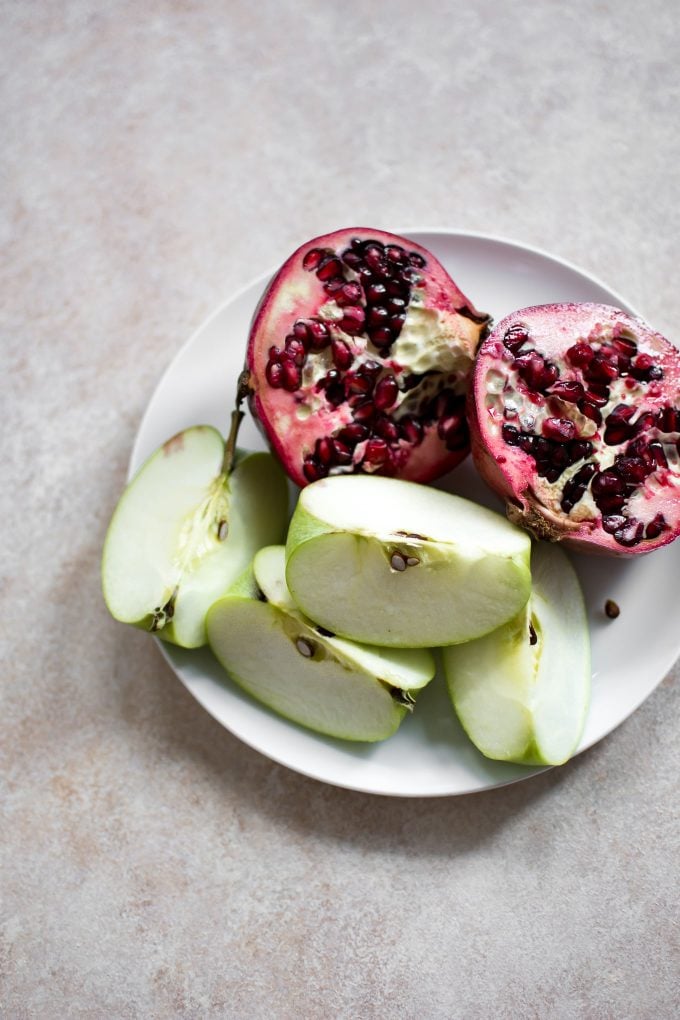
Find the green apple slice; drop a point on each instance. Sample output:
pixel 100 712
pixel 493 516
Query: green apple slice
pixel 395 563
pixel 185 528
pixel 301 671
pixel 522 692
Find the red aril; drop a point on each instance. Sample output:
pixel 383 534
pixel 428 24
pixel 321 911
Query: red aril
pixel 359 359
pixel 574 415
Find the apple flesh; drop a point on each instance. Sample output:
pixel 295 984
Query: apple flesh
pixel 522 692
pixel 395 563
pixel 185 528
pixel 300 670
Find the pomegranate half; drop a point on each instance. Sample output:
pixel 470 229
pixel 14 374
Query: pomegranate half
pixel 575 421
pixel 359 359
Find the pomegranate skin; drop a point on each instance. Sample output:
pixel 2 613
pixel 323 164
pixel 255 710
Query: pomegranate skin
pixel 574 414
pixel 359 359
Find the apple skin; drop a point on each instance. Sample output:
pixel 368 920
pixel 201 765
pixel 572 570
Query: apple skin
pixel 522 692
pixel 255 490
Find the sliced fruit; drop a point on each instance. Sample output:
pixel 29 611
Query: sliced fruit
pixel 395 563
pixel 522 692
pixel 575 422
pixel 359 359
pixel 185 527
pixel 302 671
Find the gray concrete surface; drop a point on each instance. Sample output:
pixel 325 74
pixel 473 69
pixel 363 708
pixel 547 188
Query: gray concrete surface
pixel 155 158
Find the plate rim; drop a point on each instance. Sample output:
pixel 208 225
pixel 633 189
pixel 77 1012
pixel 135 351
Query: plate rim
pixel 136 459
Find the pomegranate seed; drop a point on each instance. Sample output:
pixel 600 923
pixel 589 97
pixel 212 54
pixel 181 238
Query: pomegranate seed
pixel 538 373
pixel 274 374
pixel 386 429
pixel 352 434
pixel 296 350
pixel 353 319
pixel 374 255
pixel 376 451
pixel 644 369
pixel 334 285
pixel 381 271
pixel 580 354
pixel 412 430
pixel 333 386
pixel 318 334
pixel 325 451
pixel 590 410
pixel 416 259
pixel 358 243
pixel 312 259
pixel 359 383
pixel 275 353
pixel 644 422
pixel 607 483
pixel 396 305
pixel 611 504
pixel 349 294
pixel 612 523
pixel 658 454
pixel 341 353
pixel 312 469
pixel 600 369
pixel 579 449
pixel 668 420
pixel 377 316
pixel 510 434
pixel 576 486
pixel 386 392
pixel 560 429
pixel 656 526
pixel 351 258
pixel 395 253
pixel 343 454
pixel 300 330
pixel 625 345
pixel 397 324
pixel 643 362
pixel 617 427
pixel 375 293
pixel 291 376
pixel 633 470
pixel 630 533
pixel 567 389
pixel 364 412
pixel 381 338
pixel 398 288
pixel 329 268
pixel 515 336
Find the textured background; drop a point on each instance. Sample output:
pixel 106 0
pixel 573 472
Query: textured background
pixel 155 158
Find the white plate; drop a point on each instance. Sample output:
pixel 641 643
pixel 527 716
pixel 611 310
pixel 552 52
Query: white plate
pixel 429 755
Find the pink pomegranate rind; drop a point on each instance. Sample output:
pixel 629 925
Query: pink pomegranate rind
pixel 574 416
pixel 359 359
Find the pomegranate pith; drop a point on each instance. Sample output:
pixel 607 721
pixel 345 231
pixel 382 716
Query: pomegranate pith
pixel 359 359
pixel 575 421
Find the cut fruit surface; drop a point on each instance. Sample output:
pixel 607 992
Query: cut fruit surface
pixel 301 671
pixel 522 692
pixel 395 563
pixel 575 422
pixel 359 359
pixel 184 529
